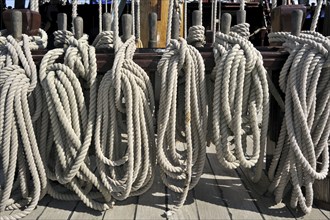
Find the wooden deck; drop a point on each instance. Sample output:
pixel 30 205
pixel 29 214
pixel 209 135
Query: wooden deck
pixel 220 194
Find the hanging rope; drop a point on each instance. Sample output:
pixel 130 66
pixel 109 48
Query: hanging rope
pixel 304 135
pixel 240 102
pixel 316 15
pixel 126 166
pixel 181 168
pixel 67 139
pixel 23 180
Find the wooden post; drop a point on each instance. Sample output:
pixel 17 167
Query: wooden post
pixel 196 20
pixel 241 16
pixel 62 21
pixel 16 24
pixel 175 26
pixel 78 27
pixel 152 30
pixel 296 20
pixel 127 22
pixel 106 19
pixel 225 23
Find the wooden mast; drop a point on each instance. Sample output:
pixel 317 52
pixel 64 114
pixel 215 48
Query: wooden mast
pixel 161 8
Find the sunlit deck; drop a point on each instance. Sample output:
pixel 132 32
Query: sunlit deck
pixel 220 194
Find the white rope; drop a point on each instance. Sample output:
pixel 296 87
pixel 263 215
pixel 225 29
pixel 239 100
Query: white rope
pixel 74 12
pixel 67 139
pixel 304 135
pixel 34 5
pixel 181 170
pixel 214 24
pixel 169 22
pixel 240 102
pixel 126 167
pixel 316 15
pixel 100 16
pixel 23 178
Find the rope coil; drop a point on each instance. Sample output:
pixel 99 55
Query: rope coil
pixel 72 120
pixel 20 108
pixel 240 102
pixel 184 166
pixel 304 135
pixel 126 169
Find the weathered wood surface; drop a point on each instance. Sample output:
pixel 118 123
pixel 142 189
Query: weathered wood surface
pixel 220 194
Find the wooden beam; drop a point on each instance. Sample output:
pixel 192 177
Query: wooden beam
pixel 148 59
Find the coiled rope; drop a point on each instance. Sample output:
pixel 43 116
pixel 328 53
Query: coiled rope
pixel 240 102
pixel 67 139
pixel 181 168
pixel 304 135
pixel 23 179
pixel 126 169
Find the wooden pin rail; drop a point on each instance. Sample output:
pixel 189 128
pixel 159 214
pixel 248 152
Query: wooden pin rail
pixel 273 57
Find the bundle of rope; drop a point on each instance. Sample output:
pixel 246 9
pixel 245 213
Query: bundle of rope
pixel 124 132
pixel 303 142
pixel 23 179
pixel 240 101
pixel 67 139
pixel 182 168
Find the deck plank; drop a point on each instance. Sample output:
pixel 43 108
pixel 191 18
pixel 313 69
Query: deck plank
pixel 315 214
pixel 187 211
pixel 41 207
pixel 209 200
pixel 266 204
pixel 152 204
pixel 84 212
pixel 326 213
pixel 122 210
pixel 240 204
pixel 57 209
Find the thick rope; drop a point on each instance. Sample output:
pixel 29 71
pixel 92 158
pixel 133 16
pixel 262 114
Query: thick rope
pixel 316 15
pixel 23 178
pixel 74 12
pixel 68 137
pixel 240 102
pixel 126 166
pixel 304 135
pixel 181 169
pixel 34 5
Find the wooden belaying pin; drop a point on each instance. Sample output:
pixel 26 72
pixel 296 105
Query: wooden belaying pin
pixel 62 21
pixel 197 20
pixel 225 23
pixel 296 22
pixel 152 30
pixel 175 26
pixel 16 24
pixel 241 16
pixel 78 27
pixel 127 22
pixel 106 22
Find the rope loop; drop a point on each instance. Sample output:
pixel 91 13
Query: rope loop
pixel 240 101
pixel 304 135
pixel 181 164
